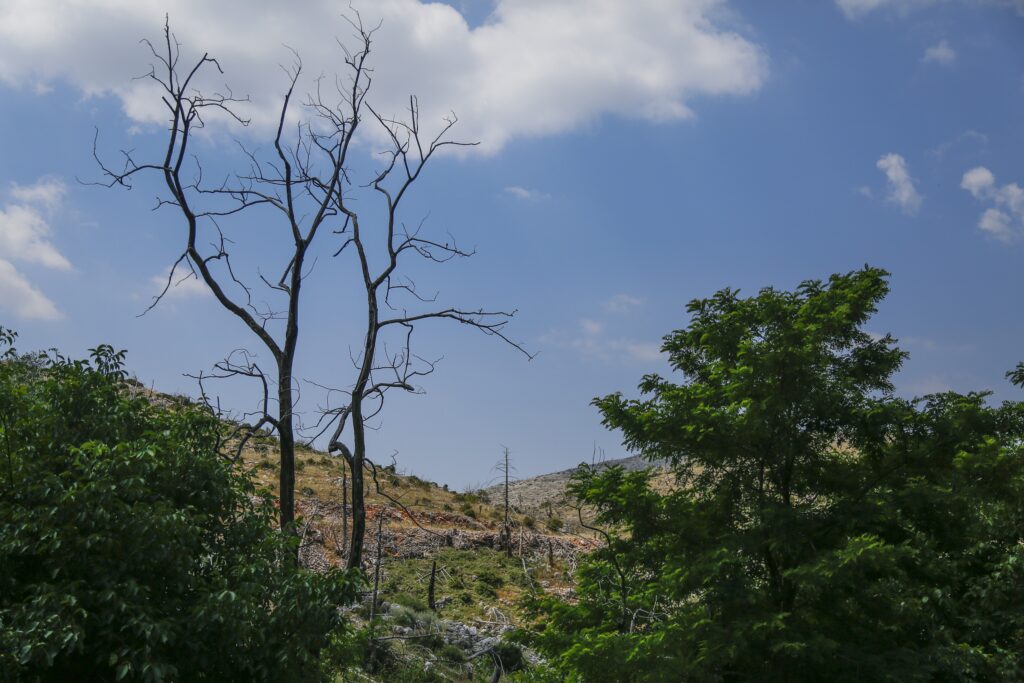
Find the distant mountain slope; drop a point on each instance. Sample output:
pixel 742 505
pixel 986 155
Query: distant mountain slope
pixel 545 495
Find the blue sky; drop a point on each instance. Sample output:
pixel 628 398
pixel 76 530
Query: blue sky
pixel 634 156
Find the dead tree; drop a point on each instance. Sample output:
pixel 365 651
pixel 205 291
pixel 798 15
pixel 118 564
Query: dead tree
pixel 300 180
pixel 505 468
pixel 431 603
pixel 344 508
pixel 380 243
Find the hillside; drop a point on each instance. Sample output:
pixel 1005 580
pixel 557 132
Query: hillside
pixel 479 588
pixel 545 497
pixel 535 494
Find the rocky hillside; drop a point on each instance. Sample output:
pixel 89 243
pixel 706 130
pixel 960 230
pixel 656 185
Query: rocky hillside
pixel 545 497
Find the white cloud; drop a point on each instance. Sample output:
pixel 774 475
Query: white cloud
pixel 47 191
pixel 645 351
pixel 622 303
pixel 24 234
pixel 595 347
pixel 18 296
pixel 997 224
pixel 856 9
pixel 25 237
pixel 968 136
pixel 940 53
pixel 901 186
pixel 1004 219
pixel 525 194
pixel 535 67
pixel 183 285
pixel 592 344
pixel 978 181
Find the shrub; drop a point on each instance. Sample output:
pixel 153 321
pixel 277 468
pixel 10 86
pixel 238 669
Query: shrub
pixel 553 524
pixel 416 482
pixel 130 550
pixel 410 601
pixel 490 577
pixel 452 653
pixel 509 655
pixel 827 529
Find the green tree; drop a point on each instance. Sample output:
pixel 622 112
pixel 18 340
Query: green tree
pixel 129 550
pixel 819 528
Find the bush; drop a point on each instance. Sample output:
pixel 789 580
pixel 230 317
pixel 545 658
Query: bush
pixel 490 577
pixel 130 550
pixel 510 656
pixel 553 524
pixel 826 529
pixel 416 482
pixel 452 653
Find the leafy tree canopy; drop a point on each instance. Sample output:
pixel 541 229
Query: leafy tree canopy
pixel 819 527
pixel 129 550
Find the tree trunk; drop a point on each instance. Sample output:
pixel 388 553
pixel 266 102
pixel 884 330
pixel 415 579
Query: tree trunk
pixel 355 547
pixel 287 446
pixel 508 528
pixel 430 587
pixel 355 553
pixel 344 508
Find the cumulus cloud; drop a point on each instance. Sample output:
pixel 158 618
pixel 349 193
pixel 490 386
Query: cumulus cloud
pixel 47 191
pixel 179 285
pixel 1004 217
pixel 622 303
pixel 25 237
pixel 525 194
pixel 978 181
pixel 901 186
pixel 940 53
pixel 534 67
pixel 19 296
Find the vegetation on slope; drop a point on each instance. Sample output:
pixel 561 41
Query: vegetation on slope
pixel 823 529
pixel 130 550
pixel 809 525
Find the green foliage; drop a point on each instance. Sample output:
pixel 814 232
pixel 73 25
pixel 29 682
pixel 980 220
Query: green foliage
pixel 820 529
pixel 553 524
pixel 452 653
pixel 467 581
pixel 509 656
pixel 130 550
pixel 467 509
